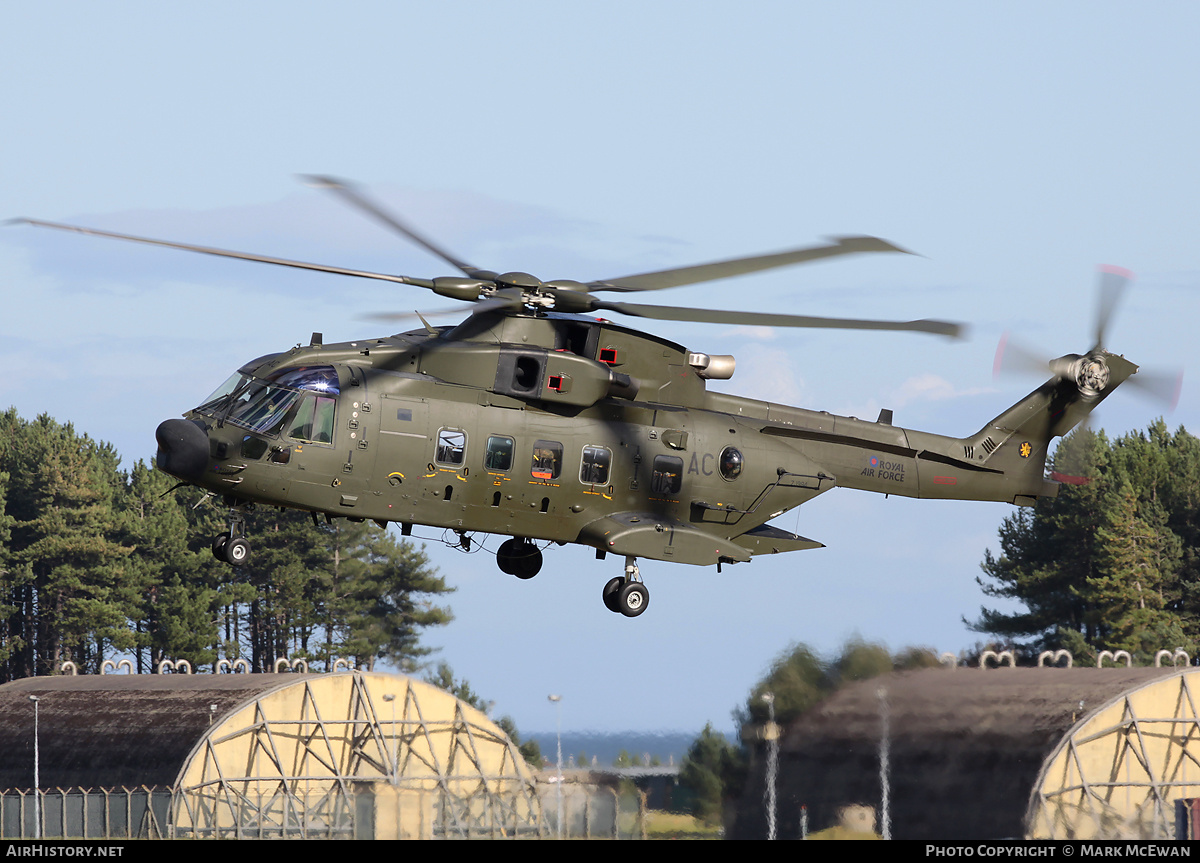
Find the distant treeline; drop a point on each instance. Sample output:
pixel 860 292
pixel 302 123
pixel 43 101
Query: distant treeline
pixel 98 563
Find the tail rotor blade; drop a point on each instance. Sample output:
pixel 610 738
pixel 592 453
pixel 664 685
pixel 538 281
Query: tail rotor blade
pixel 1113 282
pixel 1012 356
pixel 1162 387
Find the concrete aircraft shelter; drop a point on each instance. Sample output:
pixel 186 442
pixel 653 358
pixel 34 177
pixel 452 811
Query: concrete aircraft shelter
pixel 993 753
pixel 351 754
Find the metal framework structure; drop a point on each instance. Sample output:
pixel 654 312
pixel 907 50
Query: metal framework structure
pixel 1121 769
pixel 355 755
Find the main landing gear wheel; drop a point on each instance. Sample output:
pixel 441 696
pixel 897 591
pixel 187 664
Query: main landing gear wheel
pixel 218 546
pixel 519 557
pixel 633 599
pixel 610 593
pixel 626 594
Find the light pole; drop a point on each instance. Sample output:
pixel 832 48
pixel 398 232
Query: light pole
pixel 557 701
pixel 390 698
pixel 37 780
pixel 885 733
pixel 772 734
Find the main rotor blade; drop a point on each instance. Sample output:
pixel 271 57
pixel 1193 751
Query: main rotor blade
pixel 225 253
pixel 1113 282
pixel 350 193
pixel 740 266
pixel 399 317
pixel 766 319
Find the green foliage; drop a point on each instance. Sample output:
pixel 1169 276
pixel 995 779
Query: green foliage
pixel 1114 561
pixel 860 660
pixel 96 562
pixel 443 678
pixel 61 559
pixel 710 763
pixel 624 759
pixel 797 679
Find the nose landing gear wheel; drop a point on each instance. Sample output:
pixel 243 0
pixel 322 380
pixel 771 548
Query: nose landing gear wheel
pixel 237 551
pixel 231 547
pixel 633 599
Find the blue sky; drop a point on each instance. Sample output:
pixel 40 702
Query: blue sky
pixel 1014 147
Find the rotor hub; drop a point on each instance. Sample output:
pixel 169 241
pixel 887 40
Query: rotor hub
pixel 518 280
pixel 1091 376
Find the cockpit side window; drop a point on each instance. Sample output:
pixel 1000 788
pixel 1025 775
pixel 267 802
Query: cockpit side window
pixel 313 421
pixel 263 406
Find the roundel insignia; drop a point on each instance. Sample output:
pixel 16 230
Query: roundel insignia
pixel 1025 449
pixel 874 461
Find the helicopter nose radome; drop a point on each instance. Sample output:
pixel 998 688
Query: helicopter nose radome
pixel 182 449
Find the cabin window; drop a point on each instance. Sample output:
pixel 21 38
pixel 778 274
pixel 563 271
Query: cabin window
pixel 668 475
pixel 547 459
pixel 593 469
pixel 731 462
pixel 451 447
pixel 313 422
pixel 499 455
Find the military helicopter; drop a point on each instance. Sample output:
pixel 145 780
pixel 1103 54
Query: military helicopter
pixel 535 419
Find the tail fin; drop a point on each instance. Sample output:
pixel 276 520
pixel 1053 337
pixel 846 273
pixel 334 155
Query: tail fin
pixel 1016 443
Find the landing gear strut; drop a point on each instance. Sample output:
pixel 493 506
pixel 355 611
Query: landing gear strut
pixel 626 594
pixel 232 547
pixel 519 557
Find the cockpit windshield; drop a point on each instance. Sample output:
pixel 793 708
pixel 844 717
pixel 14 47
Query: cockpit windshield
pixel 221 392
pixel 262 406
pixel 321 379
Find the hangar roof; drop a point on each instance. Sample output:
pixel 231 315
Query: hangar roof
pixel 116 729
pixel 965 747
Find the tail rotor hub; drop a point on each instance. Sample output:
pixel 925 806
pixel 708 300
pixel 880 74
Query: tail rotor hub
pixel 1091 376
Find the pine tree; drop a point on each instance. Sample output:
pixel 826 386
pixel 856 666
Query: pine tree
pixel 173 603
pixel 1109 563
pixel 386 600
pixel 709 763
pixel 63 564
pixel 95 563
